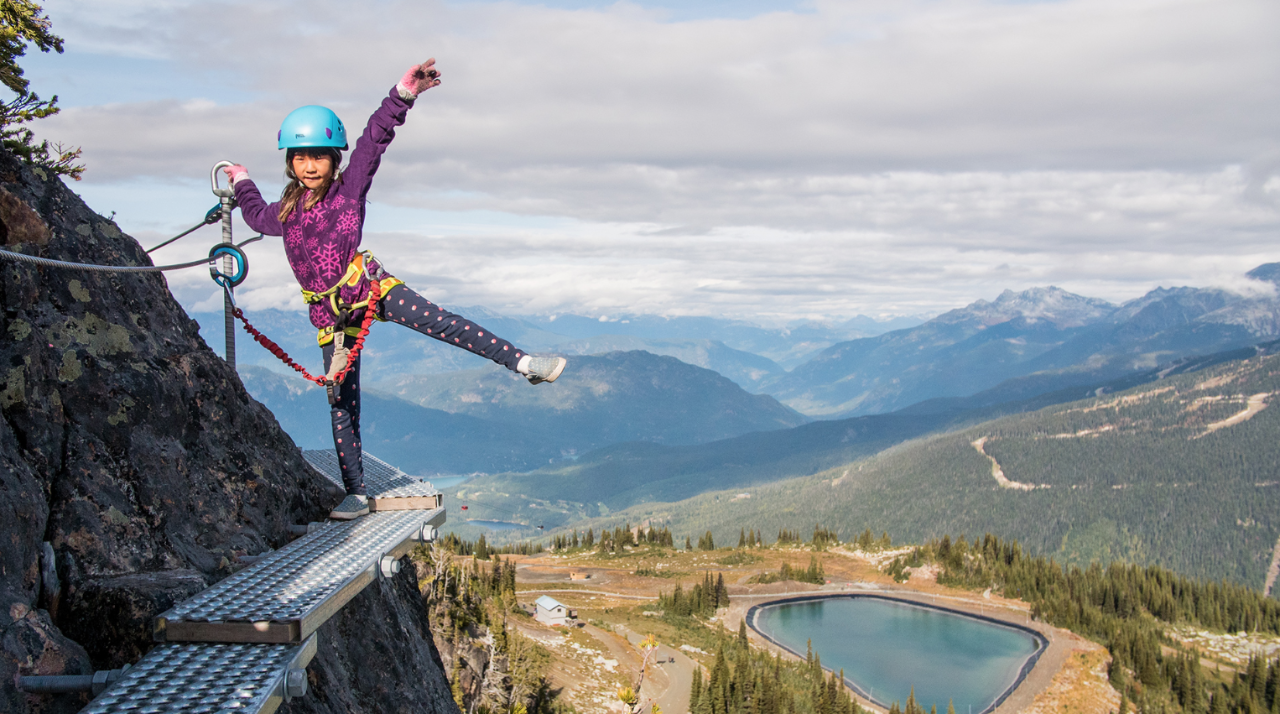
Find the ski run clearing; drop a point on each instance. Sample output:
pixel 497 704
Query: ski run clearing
pixel 1273 570
pixel 998 473
pixel 1253 405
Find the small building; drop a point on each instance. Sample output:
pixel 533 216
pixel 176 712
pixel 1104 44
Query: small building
pixel 579 575
pixel 550 611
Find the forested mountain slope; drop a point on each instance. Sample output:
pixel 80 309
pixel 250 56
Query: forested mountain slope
pixel 602 400
pixel 1183 472
pixel 492 420
pixel 623 475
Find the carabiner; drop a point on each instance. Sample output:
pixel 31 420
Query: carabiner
pixel 242 265
pixel 213 178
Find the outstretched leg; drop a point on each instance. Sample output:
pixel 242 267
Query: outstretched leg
pixel 410 309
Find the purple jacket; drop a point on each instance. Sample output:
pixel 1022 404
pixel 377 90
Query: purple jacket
pixel 320 243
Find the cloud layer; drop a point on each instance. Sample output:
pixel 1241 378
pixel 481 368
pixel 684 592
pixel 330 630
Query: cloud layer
pixel 857 157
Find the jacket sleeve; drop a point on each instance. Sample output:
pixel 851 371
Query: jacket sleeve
pixel 261 216
pixel 377 136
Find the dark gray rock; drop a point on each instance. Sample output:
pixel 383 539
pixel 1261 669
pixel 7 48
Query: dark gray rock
pixel 112 616
pixel 31 644
pixel 377 655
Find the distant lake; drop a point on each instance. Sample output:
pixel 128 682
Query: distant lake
pixel 886 647
pixel 498 525
pixel 446 481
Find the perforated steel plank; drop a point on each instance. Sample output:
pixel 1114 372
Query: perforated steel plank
pixel 200 678
pixel 289 593
pixel 381 479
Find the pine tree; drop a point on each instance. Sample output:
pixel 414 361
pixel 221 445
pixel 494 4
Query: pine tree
pixel 1217 705
pixel 695 689
pixel 455 686
pixel 23 22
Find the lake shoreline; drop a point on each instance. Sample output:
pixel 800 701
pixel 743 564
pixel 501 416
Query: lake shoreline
pixel 1031 682
pixel 1041 642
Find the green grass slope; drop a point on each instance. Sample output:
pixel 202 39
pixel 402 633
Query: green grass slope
pixel 1167 473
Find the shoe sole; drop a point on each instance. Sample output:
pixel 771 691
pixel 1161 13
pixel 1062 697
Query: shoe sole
pixel 555 373
pixel 348 515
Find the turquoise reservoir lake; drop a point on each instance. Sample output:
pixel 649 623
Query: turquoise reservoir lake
pixel 886 647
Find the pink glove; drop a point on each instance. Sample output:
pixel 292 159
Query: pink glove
pixel 235 173
pixel 417 80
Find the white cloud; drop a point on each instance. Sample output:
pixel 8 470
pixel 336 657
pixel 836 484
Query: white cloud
pixel 873 156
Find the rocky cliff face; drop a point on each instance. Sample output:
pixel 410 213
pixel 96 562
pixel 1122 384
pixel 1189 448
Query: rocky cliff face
pixel 134 468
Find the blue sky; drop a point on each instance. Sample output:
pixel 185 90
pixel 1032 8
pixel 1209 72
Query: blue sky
pixel 760 160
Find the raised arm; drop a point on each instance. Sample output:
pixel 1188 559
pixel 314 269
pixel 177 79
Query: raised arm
pixel 257 213
pixel 381 128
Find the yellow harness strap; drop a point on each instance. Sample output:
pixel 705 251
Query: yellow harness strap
pixel 356 270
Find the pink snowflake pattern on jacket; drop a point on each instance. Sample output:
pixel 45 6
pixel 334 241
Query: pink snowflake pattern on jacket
pixel 321 242
pixel 328 261
pixel 348 222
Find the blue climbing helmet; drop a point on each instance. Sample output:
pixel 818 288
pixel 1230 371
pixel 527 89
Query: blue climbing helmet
pixel 312 127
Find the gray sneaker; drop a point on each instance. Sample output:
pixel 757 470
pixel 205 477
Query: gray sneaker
pixel 543 368
pixel 352 507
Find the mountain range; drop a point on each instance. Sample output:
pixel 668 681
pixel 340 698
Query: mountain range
pixel 745 353
pixel 1064 339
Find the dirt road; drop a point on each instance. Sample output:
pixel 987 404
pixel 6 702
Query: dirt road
pixel 673 697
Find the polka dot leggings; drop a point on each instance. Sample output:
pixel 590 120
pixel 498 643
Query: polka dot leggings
pixel 410 309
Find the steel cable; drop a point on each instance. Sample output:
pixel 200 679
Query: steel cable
pixel 51 263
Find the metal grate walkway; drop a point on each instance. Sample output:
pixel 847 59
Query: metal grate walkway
pixel 199 679
pixel 291 592
pixel 243 644
pixel 389 488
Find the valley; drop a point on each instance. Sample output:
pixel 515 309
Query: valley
pixel 644 437
pixel 1100 434
pixel 1134 476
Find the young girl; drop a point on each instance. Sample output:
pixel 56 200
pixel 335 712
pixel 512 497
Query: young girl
pixel 321 216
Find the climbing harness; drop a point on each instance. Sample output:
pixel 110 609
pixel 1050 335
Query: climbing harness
pixel 358 268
